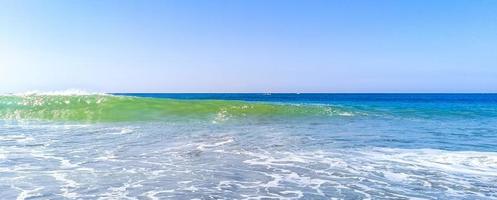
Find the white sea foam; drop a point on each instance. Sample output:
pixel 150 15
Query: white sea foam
pixel 226 140
pixel 122 131
pixel 116 192
pixel 398 167
pixel 153 194
pixel 16 138
pixel 67 184
pixel 95 164
pixel 464 162
pixel 221 116
pixel 28 193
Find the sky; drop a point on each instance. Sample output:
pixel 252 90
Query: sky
pixel 249 46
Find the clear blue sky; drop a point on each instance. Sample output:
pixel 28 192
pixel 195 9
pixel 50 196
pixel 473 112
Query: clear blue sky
pixel 249 46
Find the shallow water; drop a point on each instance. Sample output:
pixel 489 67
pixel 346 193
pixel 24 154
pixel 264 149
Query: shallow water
pixel 286 146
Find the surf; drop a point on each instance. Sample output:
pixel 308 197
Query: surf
pixel 96 107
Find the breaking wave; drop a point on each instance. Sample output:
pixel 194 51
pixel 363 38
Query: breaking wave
pixel 94 107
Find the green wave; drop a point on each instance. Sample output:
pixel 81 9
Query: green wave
pixel 111 108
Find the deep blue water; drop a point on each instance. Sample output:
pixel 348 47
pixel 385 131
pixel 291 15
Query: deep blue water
pixel 330 97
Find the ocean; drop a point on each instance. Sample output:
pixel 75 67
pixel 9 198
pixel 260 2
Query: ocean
pixel 80 145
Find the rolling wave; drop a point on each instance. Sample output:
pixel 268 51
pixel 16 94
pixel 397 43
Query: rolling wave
pixel 90 107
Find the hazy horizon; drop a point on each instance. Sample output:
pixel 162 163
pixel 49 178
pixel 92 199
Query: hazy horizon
pixel 84 92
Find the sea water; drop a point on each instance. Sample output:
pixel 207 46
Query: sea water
pixel 77 145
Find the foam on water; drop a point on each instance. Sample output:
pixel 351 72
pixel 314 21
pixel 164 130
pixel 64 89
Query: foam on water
pixel 460 162
pixel 48 150
pixel 225 165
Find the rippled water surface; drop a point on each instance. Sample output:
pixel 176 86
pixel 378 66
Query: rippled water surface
pixel 248 146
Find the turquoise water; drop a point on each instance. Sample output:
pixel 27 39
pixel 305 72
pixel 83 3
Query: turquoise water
pixel 77 145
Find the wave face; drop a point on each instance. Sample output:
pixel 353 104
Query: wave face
pixel 110 108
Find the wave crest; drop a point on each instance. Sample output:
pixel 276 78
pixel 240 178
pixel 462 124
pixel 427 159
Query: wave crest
pixel 91 107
